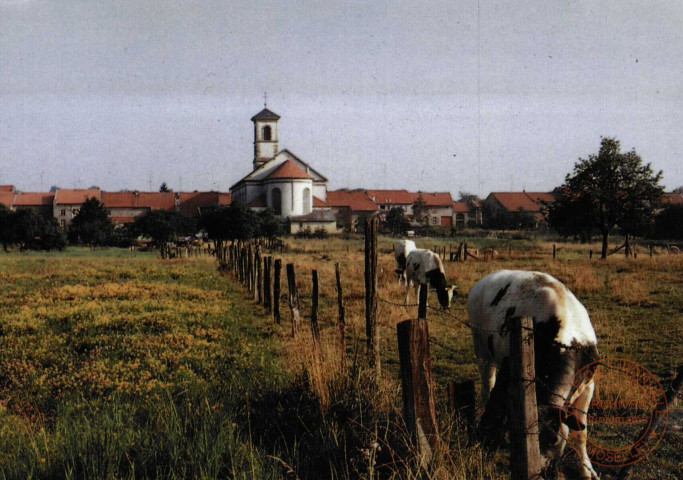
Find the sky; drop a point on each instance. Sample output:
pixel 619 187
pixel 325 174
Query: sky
pixel 469 96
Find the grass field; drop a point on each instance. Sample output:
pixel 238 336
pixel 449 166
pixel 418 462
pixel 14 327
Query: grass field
pixel 116 364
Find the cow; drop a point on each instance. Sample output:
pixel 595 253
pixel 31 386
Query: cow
pixel 564 342
pixel 424 267
pixel 401 251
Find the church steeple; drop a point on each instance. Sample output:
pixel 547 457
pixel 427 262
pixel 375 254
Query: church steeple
pixel 265 136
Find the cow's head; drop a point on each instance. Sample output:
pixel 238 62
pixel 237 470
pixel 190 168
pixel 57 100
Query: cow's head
pixel 445 295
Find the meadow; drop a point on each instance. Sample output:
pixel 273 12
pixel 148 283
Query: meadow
pixel 117 364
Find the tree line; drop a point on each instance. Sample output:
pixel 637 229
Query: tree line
pixel 92 226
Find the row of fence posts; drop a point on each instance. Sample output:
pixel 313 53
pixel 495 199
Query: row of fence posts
pixel 261 275
pixel 255 271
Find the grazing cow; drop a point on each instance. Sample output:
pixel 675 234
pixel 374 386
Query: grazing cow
pixel 564 342
pixel 401 251
pixel 424 267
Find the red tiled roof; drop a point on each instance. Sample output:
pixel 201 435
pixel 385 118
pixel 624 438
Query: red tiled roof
pixel 34 199
pixel 151 200
pixel 527 201
pixel 391 197
pixel 224 199
pixel 357 201
pixel 6 188
pixel 6 198
pixel 76 197
pixel 539 197
pixel 288 169
pixel 437 199
pixel 192 202
pixel 259 202
pixel 461 207
pixel 672 199
pixel 319 202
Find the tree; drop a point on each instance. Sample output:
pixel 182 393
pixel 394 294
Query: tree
pixel 164 188
pixel 468 197
pixel 606 191
pixel 91 225
pixel 420 210
pixel 30 230
pixel 669 223
pixel 163 226
pixel 268 225
pixel 234 222
pixel 396 221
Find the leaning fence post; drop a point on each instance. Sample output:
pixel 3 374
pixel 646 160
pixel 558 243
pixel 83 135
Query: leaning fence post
pixel 342 319
pixel 371 330
pixel 293 299
pixel 276 290
pixel 419 407
pixel 525 456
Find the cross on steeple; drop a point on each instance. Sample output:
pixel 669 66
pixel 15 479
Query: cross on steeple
pixel 265 99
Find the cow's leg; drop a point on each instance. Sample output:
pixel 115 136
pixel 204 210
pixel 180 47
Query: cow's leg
pixel 488 379
pixel 407 291
pixel 578 438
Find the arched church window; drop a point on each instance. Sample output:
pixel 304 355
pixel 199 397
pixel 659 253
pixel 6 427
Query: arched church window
pixel 267 133
pixel 276 201
pixel 307 200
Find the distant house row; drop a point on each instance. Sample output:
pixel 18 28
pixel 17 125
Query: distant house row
pixel 124 207
pixel 347 206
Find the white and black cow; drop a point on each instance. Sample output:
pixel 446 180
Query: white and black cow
pixel 564 342
pixel 424 267
pixel 401 251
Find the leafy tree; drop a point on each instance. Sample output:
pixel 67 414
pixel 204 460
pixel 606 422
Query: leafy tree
pixel 678 190
pixel 91 225
pixel 420 210
pixel 6 219
pixel 467 197
pixel 30 230
pixel 163 226
pixel 396 221
pixel 164 188
pixel 268 225
pixel 606 191
pixel 234 222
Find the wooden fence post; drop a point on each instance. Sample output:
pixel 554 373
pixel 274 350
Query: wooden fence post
pixel 590 254
pixel 258 284
pixel 342 318
pixel 525 455
pixel 293 300
pixel 371 330
pixel 276 290
pixel 315 330
pixel 422 302
pixel 267 263
pixel 554 250
pixel 419 407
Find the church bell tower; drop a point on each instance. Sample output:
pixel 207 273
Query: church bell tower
pixel 265 136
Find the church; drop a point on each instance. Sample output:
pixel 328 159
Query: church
pixel 281 181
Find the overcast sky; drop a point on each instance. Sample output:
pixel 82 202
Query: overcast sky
pixel 425 95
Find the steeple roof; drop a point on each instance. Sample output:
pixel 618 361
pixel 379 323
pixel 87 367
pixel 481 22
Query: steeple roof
pixel 265 114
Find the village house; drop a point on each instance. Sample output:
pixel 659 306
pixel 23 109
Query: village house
pixel 281 181
pixel 68 203
pixel 467 214
pixel 438 206
pixel 350 206
pixel 531 203
pixel 41 203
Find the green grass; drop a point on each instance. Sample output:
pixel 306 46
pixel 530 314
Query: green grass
pixel 116 364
